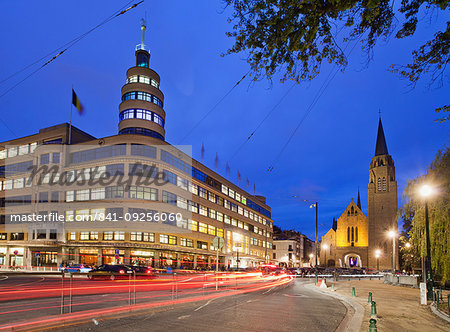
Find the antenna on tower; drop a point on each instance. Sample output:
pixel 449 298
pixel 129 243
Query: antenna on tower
pixel 143 28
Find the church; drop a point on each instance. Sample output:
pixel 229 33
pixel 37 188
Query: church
pixel 357 240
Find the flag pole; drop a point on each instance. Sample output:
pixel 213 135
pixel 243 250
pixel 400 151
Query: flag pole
pixel 70 121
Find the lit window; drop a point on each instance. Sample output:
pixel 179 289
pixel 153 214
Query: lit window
pixel 82 195
pixel 194 226
pixel 108 236
pixel 163 238
pixel 202 228
pixel 84 236
pixel 211 230
pixel 71 236
pixel 119 236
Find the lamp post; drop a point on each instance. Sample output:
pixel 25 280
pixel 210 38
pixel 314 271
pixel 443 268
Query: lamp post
pixel 393 235
pixel 425 192
pixel 325 248
pixel 377 255
pixel 316 205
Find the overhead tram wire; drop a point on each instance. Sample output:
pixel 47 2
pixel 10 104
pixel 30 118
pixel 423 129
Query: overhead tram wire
pixel 213 108
pixel 322 89
pixel 262 121
pixel 66 46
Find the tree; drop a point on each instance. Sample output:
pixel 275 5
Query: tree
pixel 296 36
pixel 438 175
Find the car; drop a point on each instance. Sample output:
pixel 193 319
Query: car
pixel 77 268
pixel 111 272
pixel 141 271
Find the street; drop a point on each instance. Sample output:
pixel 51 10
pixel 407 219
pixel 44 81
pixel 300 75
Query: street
pixel 244 302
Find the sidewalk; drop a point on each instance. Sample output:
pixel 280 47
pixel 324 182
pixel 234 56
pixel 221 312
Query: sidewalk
pixel 398 308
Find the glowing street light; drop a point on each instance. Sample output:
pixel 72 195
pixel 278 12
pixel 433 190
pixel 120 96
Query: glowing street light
pixel 377 255
pixel 325 248
pixel 408 245
pixel 392 234
pixel 427 191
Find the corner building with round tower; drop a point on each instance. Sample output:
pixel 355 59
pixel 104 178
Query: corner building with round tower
pixel 130 198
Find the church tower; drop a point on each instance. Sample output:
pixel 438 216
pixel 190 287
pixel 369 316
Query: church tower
pixel 141 110
pixel 382 204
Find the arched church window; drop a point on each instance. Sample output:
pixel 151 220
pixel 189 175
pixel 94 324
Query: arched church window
pixel 348 234
pixel 356 234
pixel 379 184
pixel 353 234
pixel 384 184
pixel 356 212
pixel 352 211
pixel 348 213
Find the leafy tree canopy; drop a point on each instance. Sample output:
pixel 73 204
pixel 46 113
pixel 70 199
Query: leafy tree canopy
pixel 438 176
pixel 296 36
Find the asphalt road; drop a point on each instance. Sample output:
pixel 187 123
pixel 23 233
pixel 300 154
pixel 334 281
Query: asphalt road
pixel 290 307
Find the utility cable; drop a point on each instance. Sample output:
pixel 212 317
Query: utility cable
pixel 322 89
pixel 262 121
pixel 65 47
pixel 213 108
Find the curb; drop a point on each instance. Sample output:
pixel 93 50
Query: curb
pixel 435 311
pixel 351 322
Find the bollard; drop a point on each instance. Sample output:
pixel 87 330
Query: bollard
pixel 448 302
pixel 434 297
pixel 372 325
pixel 373 311
pixel 332 287
pixel 353 291
pixel 370 298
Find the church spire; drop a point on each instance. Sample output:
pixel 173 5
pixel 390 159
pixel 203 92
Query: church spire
pixel 381 147
pixel 359 201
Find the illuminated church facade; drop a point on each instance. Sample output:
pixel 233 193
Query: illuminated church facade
pixel 357 240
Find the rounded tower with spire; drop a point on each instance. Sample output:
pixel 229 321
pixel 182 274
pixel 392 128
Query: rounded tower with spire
pixel 141 111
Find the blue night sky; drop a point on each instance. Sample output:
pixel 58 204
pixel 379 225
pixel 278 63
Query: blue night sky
pixel 328 157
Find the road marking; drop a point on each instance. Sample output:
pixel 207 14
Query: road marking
pixel 295 295
pixel 5 277
pixel 267 291
pixel 185 316
pixel 249 301
pixel 202 306
pixel 31 282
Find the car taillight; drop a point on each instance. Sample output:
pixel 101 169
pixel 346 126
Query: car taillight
pixel 82 267
pixel 149 271
pixel 121 271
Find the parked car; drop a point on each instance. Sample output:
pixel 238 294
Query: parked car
pixel 110 272
pixel 77 268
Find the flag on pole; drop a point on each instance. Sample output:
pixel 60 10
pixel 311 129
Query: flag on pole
pixel 76 102
pixel 217 161
pixel 254 188
pixel 248 183
pixel 228 169
pixel 203 151
pixel 239 176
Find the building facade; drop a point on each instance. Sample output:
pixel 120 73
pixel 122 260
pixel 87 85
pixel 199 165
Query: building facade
pixel 357 240
pixel 68 197
pixel 292 249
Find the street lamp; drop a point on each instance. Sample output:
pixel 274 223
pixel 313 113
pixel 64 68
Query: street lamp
pixel 325 248
pixel 393 235
pixel 408 245
pixel 316 205
pixel 426 191
pixel 377 255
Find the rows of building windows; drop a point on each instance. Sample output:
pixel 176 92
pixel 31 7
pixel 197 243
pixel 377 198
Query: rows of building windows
pixel 199 175
pixel 45 158
pixel 138 113
pixel 98 153
pixel 141 131
pixel 141 95
pixel 120 150
pixel 143 79
pixel 17 168
pixel 134 237
pixel 18 150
